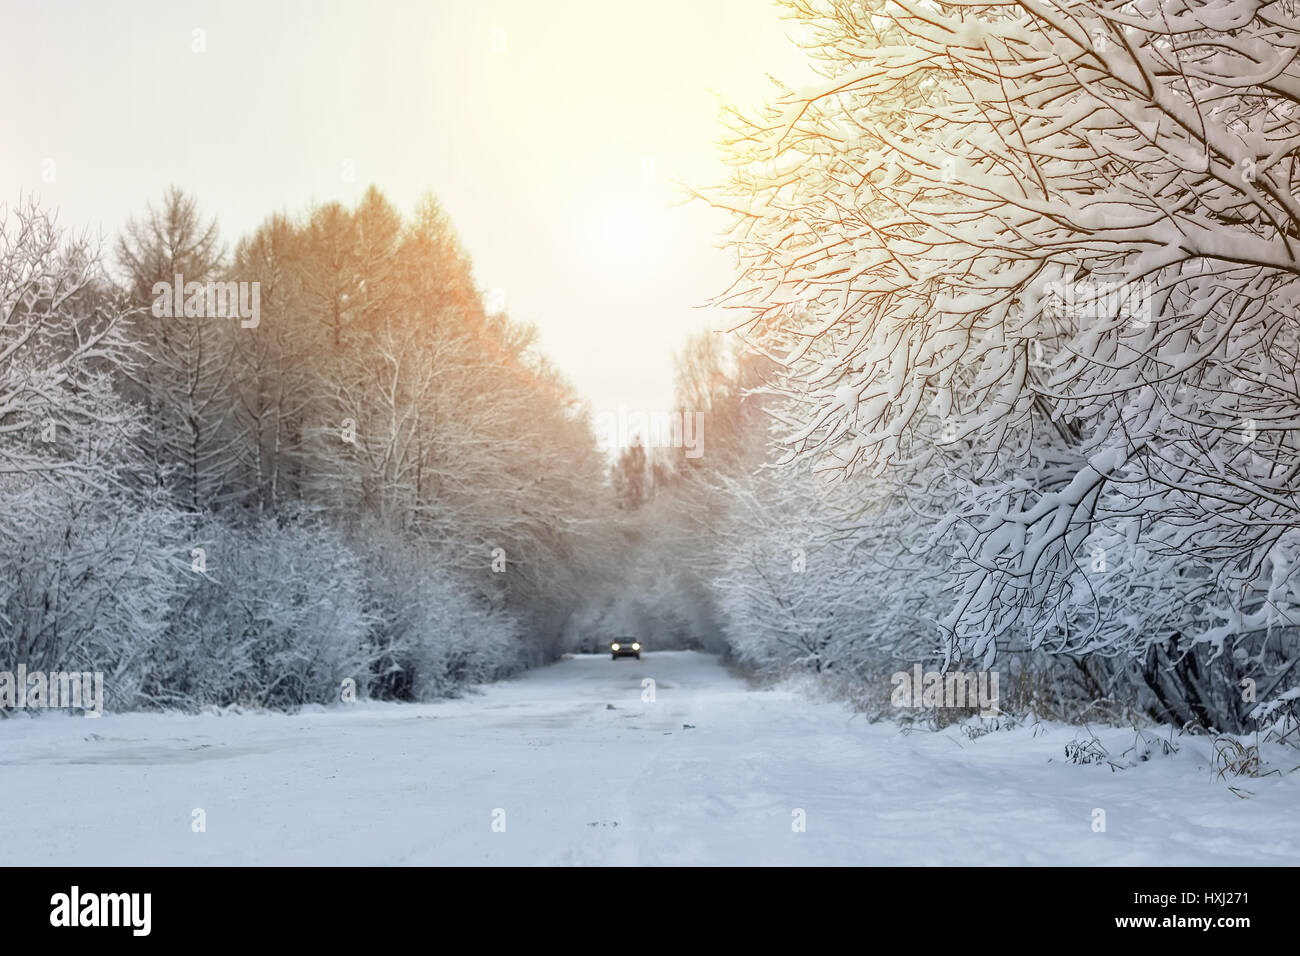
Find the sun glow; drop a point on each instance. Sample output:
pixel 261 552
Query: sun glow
pixel 623 234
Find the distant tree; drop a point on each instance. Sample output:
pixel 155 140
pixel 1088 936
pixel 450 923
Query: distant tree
pixel 330 279
pixel 186 380
pixel 630 476
pixel 278 369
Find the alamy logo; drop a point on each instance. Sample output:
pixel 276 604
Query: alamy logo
pixel 1102 300
pixel 102 909
pixel 208 300
pixel 58 689
pixel 951 689
pixel 678 429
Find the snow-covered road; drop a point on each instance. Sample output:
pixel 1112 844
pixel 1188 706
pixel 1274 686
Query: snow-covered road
pixel 582 770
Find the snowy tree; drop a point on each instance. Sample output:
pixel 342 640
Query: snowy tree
pixel 88 563
pixel 187 380
pixel 276 381
pixel 1067 230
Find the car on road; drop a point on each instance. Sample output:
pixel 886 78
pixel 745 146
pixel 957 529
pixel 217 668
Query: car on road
pixel 625 647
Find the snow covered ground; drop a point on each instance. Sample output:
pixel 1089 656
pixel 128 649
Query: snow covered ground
pixel 586 772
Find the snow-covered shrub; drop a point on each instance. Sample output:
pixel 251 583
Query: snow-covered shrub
pixel 273 615
pixel 431 634
pixel 87 583
pixel 816 577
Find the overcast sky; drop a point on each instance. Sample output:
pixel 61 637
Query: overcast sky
pixel 550 130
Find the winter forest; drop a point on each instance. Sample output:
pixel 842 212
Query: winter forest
pixel 1007 383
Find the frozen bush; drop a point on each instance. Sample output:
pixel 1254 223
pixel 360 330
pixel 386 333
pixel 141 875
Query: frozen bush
pixel 274 615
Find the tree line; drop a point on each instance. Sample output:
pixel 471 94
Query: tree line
pixel 378 482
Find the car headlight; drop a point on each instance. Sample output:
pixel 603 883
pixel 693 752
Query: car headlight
pixel 613 647
pixel 636 647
